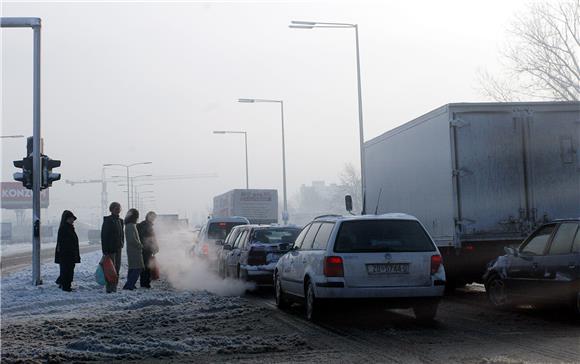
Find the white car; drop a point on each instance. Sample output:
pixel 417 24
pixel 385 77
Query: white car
pixel 388 258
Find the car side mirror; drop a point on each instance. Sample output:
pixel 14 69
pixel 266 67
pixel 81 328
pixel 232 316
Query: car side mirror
pixel 294 248
pixel 348 203
pixel 219 242
pixel 227 247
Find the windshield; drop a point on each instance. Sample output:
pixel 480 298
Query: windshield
pixel 382 236
pixel 276 235
pixel 219 230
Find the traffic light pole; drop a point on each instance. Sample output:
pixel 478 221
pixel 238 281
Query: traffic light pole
pixel 33 23
pixel 37 177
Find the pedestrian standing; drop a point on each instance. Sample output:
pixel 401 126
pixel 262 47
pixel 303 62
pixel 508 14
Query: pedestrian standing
pixel 67 250
pixel 134 249
pixel 112 240
pixel 150 246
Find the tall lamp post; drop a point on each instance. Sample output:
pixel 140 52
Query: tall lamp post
pixel 246 144
pixel 315 24
pixel 281 102
pixel 127 167
pixel 35 24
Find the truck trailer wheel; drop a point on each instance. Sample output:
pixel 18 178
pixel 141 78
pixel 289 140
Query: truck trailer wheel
pixel 426 311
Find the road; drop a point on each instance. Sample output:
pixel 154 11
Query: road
pixel 467 330
pixel 164 324
pixel 14 262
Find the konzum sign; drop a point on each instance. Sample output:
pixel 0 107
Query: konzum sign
pixel 15 196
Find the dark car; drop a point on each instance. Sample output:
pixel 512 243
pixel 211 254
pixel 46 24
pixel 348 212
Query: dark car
pixel 255 252
pixel 544 269
pixel 222 253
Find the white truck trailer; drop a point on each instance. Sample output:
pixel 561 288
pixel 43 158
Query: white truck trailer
pixel 260 206
pixel 479 176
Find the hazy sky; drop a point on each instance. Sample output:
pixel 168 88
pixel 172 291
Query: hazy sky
pixel 126 82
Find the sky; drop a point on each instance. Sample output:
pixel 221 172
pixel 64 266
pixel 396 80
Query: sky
pixel 126 82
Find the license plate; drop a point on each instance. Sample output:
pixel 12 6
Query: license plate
pixel 388 268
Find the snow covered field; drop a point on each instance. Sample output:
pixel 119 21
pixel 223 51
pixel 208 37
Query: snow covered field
pixel 44 323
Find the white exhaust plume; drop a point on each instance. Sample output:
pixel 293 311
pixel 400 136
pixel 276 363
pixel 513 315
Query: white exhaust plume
pixel 186 272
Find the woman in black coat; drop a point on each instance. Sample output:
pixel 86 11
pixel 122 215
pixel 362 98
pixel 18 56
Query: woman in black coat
pixel 67 250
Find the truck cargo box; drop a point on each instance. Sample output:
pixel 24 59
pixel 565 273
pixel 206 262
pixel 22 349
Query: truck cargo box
pixel 477 173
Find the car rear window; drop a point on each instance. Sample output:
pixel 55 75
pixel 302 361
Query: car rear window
pixel 219 230
pixel 378 236
pixel 276 235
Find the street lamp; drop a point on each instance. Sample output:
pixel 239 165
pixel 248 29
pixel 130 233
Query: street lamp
pixel 315 24
pixel 281 102
pixel 131 186
pixel 246 143
pixel 11 136
pixel 127 166
pixel 35 25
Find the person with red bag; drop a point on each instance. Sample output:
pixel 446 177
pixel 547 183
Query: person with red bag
pixel 112 242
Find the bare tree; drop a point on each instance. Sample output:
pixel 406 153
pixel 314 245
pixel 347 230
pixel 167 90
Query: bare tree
pixel 541 58
pixel 350 184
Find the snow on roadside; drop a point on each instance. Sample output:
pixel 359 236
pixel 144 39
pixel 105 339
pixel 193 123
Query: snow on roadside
pixel 44 323
pixel 17 248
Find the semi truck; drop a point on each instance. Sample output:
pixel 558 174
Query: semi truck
pixel 259 206
pixel 479 176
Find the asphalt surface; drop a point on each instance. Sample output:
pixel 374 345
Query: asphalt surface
pixel 14 262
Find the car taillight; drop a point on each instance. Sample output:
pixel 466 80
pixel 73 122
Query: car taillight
pixel 333 267
pixel 436 261
pixel 205 249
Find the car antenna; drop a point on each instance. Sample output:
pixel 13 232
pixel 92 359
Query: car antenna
pixel 378 201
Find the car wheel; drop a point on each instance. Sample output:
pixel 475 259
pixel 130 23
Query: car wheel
pixel 312 304
pixel 497 293
pixel 281 300
pixel 425 311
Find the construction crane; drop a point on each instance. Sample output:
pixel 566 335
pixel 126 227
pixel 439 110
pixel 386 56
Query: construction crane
pixel 104 181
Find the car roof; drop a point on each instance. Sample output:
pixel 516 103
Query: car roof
pixel 228 219
pixel 387 216
pixel 571 219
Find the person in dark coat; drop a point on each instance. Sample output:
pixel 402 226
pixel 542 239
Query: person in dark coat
pixel 67 250
pixel 134 249
pixel 113 239
pixel 150 246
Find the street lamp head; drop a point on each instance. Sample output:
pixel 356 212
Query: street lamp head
pixel 247 100
pixel 301 26
pixel 300 22
pixel 219 132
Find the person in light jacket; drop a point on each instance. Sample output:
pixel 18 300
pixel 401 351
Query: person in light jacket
pixel 134 249
pixel 67 250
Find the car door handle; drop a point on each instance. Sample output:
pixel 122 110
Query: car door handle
pixel 535 265
pixel 571 266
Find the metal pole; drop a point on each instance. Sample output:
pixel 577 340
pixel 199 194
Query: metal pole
pixel 36 167
pixel 285 212
pixel 246 142
pixel 104 194
pixel 360 121
pixel 128 190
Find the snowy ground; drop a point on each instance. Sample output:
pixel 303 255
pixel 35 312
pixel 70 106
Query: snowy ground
pixel 41 323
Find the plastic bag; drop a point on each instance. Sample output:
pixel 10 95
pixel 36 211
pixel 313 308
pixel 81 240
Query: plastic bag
pixel 109 269
pixel 100 275
pixel 153 269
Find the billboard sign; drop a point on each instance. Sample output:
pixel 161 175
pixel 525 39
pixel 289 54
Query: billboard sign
pixel 16 197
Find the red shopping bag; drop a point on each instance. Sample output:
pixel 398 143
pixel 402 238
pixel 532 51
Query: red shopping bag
pixel 110 272
pixel 154 269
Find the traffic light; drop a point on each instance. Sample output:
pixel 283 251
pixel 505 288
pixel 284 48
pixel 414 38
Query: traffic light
pixel 47 176
pixel 26 175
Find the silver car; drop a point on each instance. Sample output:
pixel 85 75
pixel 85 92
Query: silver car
pixel 388 258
